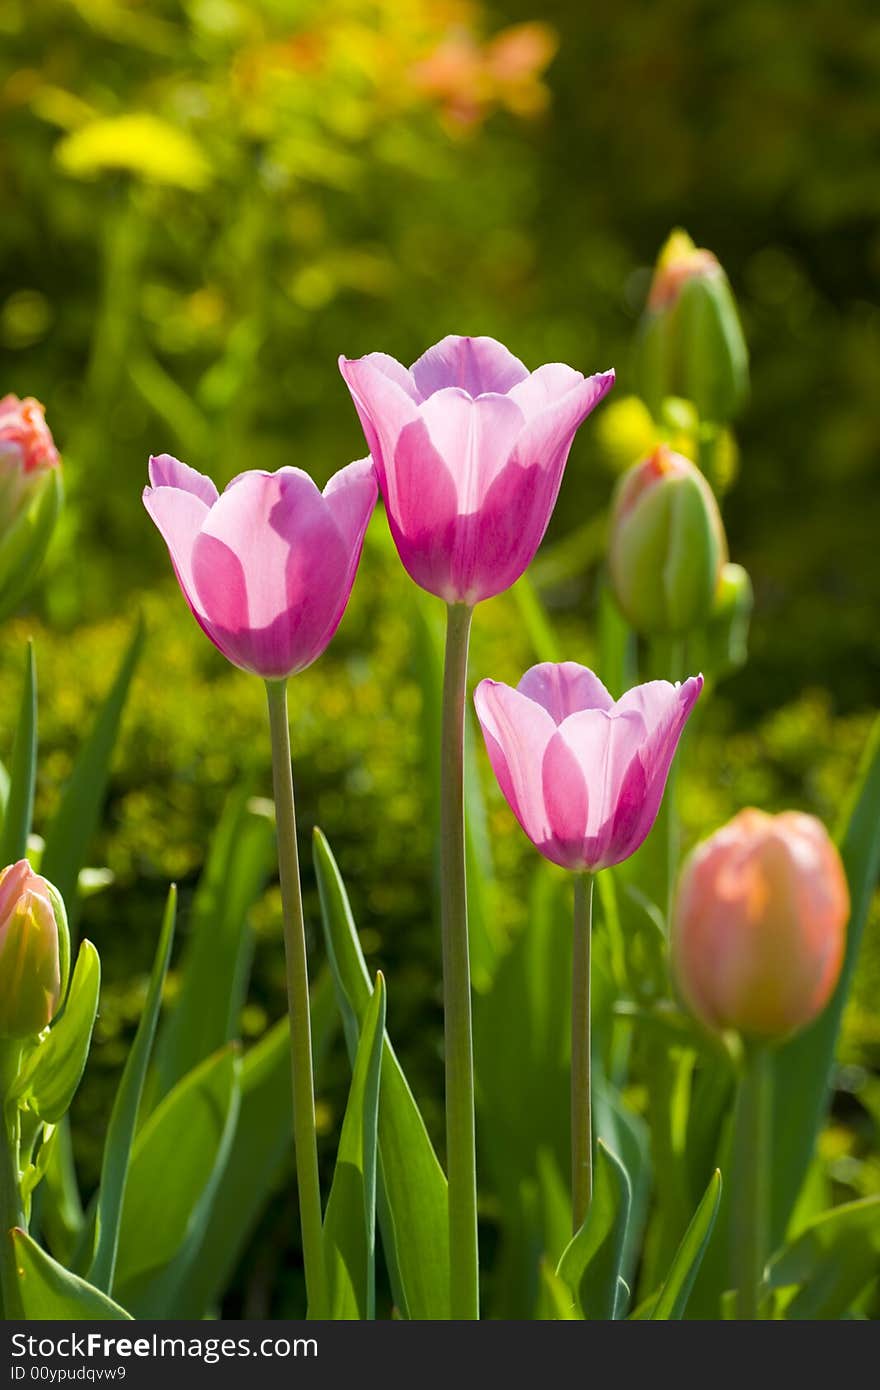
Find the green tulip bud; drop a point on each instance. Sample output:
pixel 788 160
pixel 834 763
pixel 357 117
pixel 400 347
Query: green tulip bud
pixel 34 952
pixel 667 545
pixel 691 341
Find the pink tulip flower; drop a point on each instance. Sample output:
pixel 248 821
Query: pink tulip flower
pixel 583 774
pixel 27 454
pixel 759 926
pixel 267 567
pixel 470 449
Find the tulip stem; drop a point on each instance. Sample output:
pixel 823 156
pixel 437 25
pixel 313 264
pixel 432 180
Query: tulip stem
pixel 304 1138
pixel 581 1102
pixel 464 1295
pixel 11 1205
pixel 751 1179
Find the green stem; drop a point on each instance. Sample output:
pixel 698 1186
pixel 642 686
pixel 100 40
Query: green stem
pixel 464 1297
pixel 305 1142
pixel 581 1103
pixel 751 1180
pixel 11 1205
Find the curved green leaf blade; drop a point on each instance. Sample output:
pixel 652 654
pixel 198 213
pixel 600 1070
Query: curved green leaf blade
pixel 123 1117
pixel 176 1164
pixel 76 819
pixel 832 1261
pixel 412 1197
pixel 216 960
pixel 49 1292
pixel 23 770
pixel 673 1297
pixel 350 1219
pixel 51 1073
pixel 590 1264
pixel 261 1152
pixel 803 1067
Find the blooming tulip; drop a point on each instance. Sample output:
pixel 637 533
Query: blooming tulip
pixel 267 568
pixel 667 545
pixel 33 952
pixel 583 774
pixel 470 449
pixel 759 924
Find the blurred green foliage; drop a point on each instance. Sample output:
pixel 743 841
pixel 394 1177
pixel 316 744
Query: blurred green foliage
pixel 206 202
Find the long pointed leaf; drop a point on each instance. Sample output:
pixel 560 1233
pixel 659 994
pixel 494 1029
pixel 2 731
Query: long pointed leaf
pixel 49 1292
pixel 675 1292
pixel 350 1219
pixel 803 1068
pixel 590 1264
pixel 216 959
pixel 23 770
pixel 412 1199
pixel 261 1153
pixel 123 1117
pixel 51 1073
pixel 76 819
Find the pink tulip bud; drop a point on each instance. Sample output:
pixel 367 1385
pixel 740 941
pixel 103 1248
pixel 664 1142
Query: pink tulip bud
pixel 27 453
pixel 470 448
pixel 267 568
pixel 32 952
pixel 583 774
pixel 759 925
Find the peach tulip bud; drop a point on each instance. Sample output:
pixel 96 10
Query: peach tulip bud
pixel 759 924
pixel 34 952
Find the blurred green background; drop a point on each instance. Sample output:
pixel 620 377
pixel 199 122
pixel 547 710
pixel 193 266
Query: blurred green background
pixel 205 203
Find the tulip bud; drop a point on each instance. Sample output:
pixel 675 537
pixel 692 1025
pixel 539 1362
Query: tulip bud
pixel 27 454
pixel 691 342
pixel 30 496
pixel 759 925
pixel 667 545
pixel 34 952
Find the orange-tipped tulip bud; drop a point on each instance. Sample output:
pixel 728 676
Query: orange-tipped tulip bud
pixel 34 952
pixel 667 545
pixel 759 925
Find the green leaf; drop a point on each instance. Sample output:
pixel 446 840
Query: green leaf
pixel 176 1165
pixel 123 1117
pixel 832 1261
pixel 52 1071
pixel 76 819
pixel 543 639
pixel 24 544
pixel 216 961
pixel 350 1219
pixel 590 1264
pixel 23 770
pixel 675 1292
pixel 261 1153
pixel 617 646
pixel 555 1299
pixel 51 1293
pixel 412 1196
pixel 803 1067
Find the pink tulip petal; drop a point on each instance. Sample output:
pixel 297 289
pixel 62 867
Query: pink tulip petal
pixel 478 434
pixel 544 387
pixel 665 709
pixel 385 407
pixel 272 569
pixel 351 496
pixel 550 431
pixel 167 471
pixel 564 687
pixel 476 365
pixel 517 732
pixel 604 745
pixel 567 799
pixel 179 517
